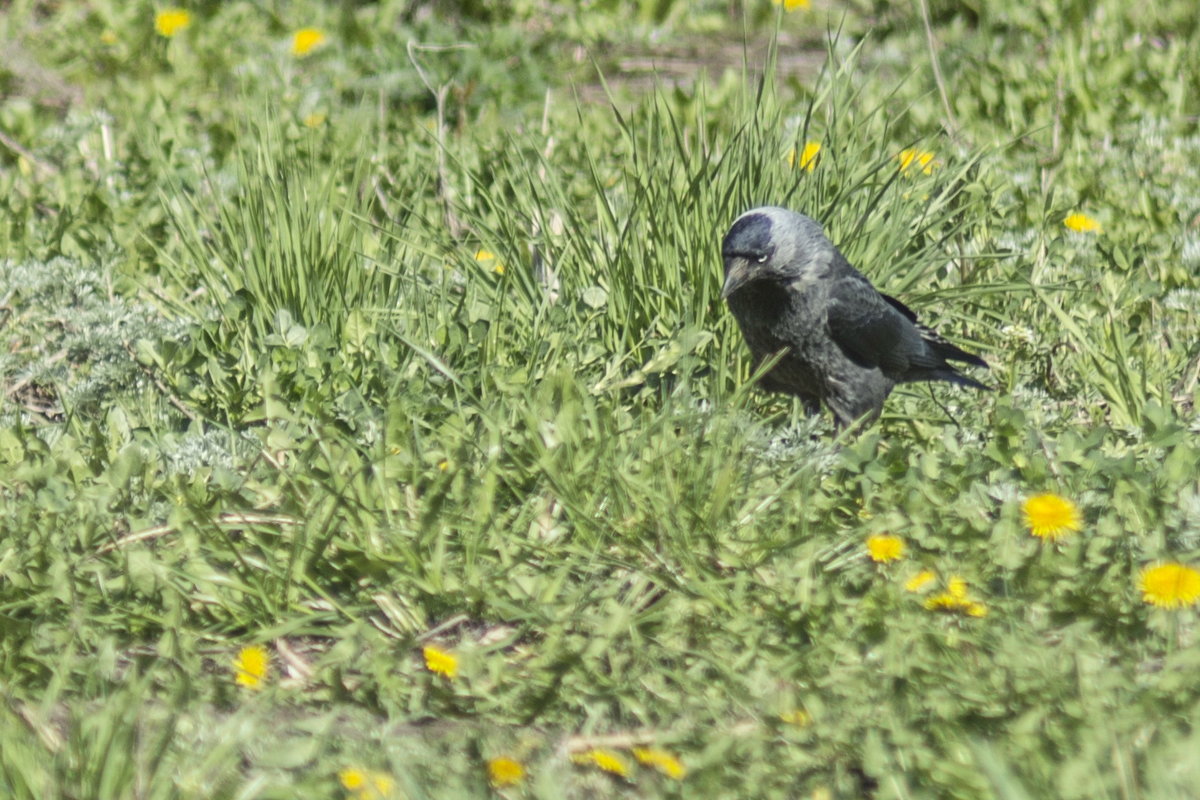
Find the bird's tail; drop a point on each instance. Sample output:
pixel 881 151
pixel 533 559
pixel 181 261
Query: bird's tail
pixel 948 351
pixel 954 376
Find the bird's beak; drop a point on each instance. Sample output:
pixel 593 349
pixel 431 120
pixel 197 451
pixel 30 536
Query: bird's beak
pixel 737 272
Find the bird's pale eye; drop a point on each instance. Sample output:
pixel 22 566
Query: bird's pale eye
pixel 762 259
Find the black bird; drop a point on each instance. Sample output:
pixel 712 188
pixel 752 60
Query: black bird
pixel 843 343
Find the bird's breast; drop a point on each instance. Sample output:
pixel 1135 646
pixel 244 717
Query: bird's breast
pixel 762 302
pixel 773 317
pixel 782 312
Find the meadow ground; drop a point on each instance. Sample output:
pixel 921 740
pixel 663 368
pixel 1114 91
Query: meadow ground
pixel 372 426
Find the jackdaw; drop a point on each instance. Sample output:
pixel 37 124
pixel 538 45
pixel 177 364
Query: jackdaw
pixel 842 342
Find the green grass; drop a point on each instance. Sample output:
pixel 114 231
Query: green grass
pixel 263 386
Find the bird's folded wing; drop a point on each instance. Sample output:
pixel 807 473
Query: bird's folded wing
pixel 935 340
pixel 870 330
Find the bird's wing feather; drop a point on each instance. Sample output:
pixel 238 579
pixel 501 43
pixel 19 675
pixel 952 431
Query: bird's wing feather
pixel 934 339
pixel 903 309
pixel 869 328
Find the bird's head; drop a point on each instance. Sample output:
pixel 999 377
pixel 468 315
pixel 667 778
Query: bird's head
pixel 773 244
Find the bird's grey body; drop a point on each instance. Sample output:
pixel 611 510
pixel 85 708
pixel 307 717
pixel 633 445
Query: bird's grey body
pixel 842 342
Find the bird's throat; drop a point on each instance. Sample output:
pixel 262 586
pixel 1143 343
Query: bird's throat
pixel 765 301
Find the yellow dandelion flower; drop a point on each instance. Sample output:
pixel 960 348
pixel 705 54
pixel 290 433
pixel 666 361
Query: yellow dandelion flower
pixel 942 602
pixel 797 716
pixel 1170 585
pixel 884 547
pixel 251 666
pixel 171 21
pixel 1049 516
pixel 443 465
pixel 660 760
pixel 923 159
pixel 108 37
pixel 974 609
pixel 382 783
pixel 808 156
pixel 919 581
pixel 1081 223
pixel 504 771
pixel 315 119
pixel 956 599
pixel 440 662
pixel 605 760
pixel 482 255
pixel 792 5
pixel 364 784
pixel 352 779
pixel 305 40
